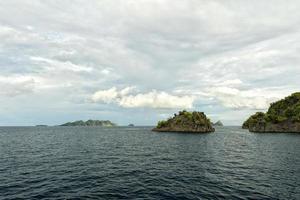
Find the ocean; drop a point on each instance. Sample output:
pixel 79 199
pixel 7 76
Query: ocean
pixel 135 163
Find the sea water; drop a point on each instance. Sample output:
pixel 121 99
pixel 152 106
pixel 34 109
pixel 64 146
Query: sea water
pixel 135 163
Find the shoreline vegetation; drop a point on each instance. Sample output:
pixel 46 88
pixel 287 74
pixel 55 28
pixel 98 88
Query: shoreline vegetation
pixel 187 122
pixel 102 123
pixel 282 116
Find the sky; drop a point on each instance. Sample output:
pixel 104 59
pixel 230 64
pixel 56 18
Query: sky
pixel 138 62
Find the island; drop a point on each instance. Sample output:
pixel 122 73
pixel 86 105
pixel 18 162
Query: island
pixel 104 123
pixel 41 125
pixel 131 125
pixel 282 116
pixel 218 123
pixel 187 122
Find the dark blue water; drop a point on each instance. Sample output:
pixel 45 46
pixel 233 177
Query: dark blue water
pixel 135 163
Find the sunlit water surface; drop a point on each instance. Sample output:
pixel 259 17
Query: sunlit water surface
pixel 135 163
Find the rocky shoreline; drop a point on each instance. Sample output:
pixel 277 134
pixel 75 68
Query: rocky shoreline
pixel 186 122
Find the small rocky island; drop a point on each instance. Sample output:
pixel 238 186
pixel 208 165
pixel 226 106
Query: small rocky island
pixel 190 122
pixel 41 125
pixel 104 123
pixel 282 117
pixel 218 123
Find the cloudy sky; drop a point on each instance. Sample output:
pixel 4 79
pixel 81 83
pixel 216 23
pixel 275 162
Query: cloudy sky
pixel 140 61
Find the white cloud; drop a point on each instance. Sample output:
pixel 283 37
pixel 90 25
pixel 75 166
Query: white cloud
pixel 51 64
pixel 156 99
pixel 106 96
pixel 127 90
pixel 256 99
pixel 153 99
pixel 230 82
pixel 241 58
pixel 16 85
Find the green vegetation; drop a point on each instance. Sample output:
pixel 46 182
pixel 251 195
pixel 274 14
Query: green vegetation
pixel 185 118
pixel 287 109
pixel 161 124
pixel 90 123
pixel 257 117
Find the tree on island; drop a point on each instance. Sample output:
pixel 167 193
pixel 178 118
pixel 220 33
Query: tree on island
pixel 185 121
pixel 282 116
pixel 90 122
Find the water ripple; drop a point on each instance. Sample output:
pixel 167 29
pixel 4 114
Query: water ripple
pixel 135 163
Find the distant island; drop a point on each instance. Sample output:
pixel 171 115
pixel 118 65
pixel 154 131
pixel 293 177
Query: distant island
pixel 105 123
pixel 218 123
pixel 194 122
pixel 282 116
pixel 131 125
pixel 41 125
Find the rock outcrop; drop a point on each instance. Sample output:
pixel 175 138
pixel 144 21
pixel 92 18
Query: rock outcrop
pixel 218 123
pixel 282 117
pixel 190 122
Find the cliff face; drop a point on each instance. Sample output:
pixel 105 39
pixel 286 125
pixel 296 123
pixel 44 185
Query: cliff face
pixel 283 127
pixel 195 122
pixel 282 116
